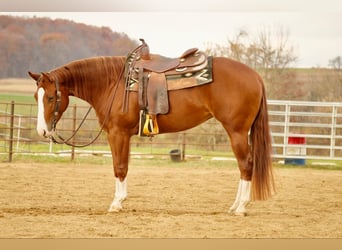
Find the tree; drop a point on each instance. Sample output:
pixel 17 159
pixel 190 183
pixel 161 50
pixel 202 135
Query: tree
pixel 336 63
pixel 269 52
pixel 40 44
pixel 266 51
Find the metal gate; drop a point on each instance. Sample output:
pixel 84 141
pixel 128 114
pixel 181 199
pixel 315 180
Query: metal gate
pixel 320 123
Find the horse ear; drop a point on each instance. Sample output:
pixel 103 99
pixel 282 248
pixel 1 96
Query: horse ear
pixel 47 76
pixel 34 76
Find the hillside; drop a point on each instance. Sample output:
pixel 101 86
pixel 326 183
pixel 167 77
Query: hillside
pixel 40 44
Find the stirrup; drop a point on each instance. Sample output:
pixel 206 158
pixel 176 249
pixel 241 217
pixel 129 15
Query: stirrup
pixel 150 126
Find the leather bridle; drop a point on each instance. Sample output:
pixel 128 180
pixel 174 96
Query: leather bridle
pixel 57 105
pixel 54 122
pixel 57 110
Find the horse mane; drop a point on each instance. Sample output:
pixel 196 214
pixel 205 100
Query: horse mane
pixel 83 77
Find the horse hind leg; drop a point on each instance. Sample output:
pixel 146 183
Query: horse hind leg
pixel 242 198
pixel 243 155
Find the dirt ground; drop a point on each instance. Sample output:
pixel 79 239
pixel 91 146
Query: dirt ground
pixel 170 201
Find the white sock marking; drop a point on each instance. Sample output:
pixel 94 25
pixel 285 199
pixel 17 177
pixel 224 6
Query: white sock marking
pixel 121 189
pixel 120 195
pixel 243 197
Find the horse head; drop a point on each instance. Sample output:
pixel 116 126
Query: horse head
pixel 52 101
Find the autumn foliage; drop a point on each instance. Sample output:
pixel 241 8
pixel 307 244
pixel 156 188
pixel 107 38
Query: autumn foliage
pixel 41 44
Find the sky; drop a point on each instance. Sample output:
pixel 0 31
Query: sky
pixel 315 27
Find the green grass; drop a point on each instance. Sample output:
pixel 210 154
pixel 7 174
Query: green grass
pixel 95 160
pixel 18 98
pixel 25 104
pixel 159 161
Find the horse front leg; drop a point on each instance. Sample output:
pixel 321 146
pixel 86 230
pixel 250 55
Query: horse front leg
pixel 119 196
pixel 120 153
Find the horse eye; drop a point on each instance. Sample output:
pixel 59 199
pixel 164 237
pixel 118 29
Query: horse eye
pixel 50 98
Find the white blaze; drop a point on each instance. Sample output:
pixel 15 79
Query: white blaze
pixel 41 123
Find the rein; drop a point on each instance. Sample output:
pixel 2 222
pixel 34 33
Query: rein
pixel 56 111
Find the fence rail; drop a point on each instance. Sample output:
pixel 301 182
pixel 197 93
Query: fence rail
pixel 320 123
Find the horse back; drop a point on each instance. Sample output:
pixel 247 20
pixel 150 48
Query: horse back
pixel 235 93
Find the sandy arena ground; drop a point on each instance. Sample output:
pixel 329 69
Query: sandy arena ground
pixel 171 201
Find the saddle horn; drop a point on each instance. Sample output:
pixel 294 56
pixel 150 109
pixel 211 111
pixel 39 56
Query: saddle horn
pixel 145 50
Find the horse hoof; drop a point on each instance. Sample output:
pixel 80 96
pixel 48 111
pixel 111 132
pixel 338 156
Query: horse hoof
pixel 114 210
pixel 242 214
pixel 231 211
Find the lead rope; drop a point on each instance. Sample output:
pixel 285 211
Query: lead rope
pixel 66 141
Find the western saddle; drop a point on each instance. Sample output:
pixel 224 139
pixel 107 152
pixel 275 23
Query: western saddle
pixel 150 72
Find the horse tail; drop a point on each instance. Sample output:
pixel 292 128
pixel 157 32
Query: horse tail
pixel 262 178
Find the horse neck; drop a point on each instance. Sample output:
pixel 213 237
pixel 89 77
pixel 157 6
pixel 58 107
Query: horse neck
pixel 91 80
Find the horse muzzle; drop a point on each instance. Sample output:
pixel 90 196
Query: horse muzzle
pixel 44 133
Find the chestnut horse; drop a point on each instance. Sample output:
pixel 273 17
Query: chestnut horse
pixel 236 98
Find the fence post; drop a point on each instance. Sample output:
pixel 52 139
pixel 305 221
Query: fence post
pixel 286 128
pixel 333 131
pixel 10 154
pixel 183 148
pixel 73 131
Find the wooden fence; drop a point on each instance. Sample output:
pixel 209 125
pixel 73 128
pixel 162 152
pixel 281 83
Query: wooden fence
pixel 305 130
